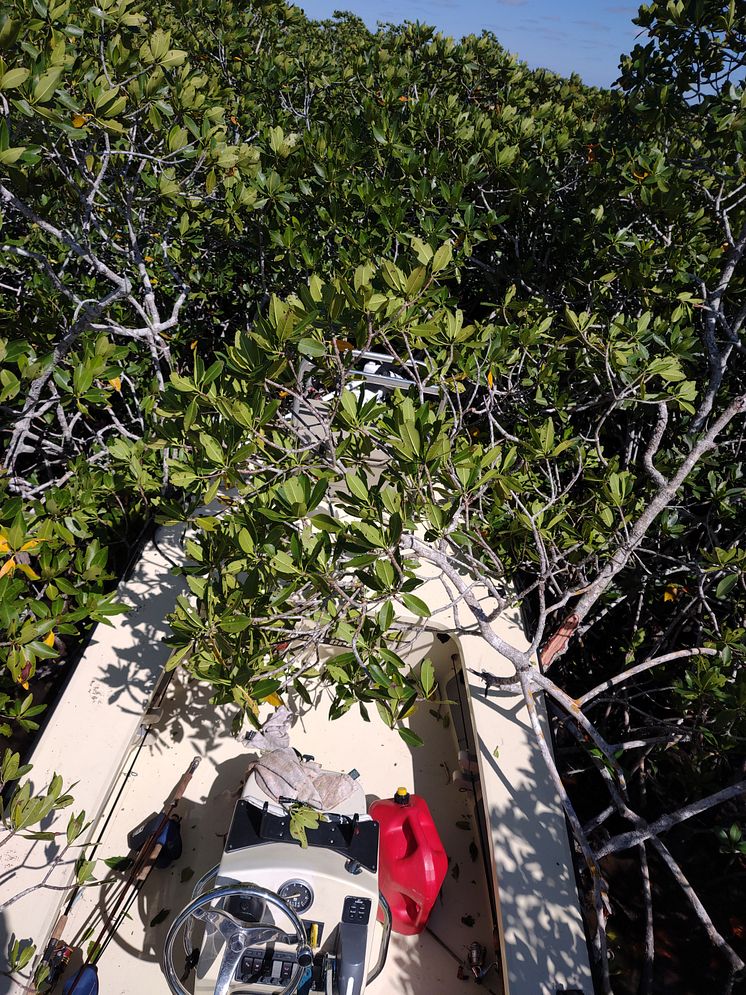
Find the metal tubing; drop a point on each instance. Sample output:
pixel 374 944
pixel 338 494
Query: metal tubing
pixel 384 948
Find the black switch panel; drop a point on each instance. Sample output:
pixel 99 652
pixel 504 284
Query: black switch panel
pixel 356 909
pixel 273 968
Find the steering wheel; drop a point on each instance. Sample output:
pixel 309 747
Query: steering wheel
pixel 237 936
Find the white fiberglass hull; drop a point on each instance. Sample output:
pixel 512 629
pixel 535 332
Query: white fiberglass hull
pixel 416 965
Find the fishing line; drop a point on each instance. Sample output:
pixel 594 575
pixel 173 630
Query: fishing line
pixel 87 924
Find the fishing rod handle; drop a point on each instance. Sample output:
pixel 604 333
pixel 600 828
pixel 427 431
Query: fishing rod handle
pixel 182 785
pixel 149 864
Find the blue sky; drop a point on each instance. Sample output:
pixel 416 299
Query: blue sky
pixel 585 36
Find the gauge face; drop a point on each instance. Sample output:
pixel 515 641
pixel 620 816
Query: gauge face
pixel 298 895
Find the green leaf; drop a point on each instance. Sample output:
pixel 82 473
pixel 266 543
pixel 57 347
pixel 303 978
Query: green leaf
pixel 212 448
pixel 349 403
pixel 427 676
pixel 416 605
pixel 283 563
pixel 246 542
pixel 386 573
pixel 668 368
pixel 302 818
pixel 10 156
pixel 45 86
pixel 312 348
pixel 410 436
pixel 409 737
pixel 726 585
pixel 326 523
pixel 316 287
pixel 264 688
pixel 235 623
pixel 119 863
pixel 356 486
pixel 14 78
pixel 84 871
pixel 386 616
pixel 174 57
pixel 75 827
pixel 442 257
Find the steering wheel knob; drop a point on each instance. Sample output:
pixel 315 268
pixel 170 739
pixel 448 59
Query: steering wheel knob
pixel 237 943
pixel 304 955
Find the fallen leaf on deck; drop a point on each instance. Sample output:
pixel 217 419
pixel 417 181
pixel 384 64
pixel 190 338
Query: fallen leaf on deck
pixel 119 863
pixel 160 917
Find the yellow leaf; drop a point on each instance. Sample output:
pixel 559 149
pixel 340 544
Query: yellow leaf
pixel 8 567
pixel 490 379
pixel 31 544
pixel 148 259
pixel 116 383
pixel 79 120
pixel 28 571
pixel 24 685
pixel 193 345
pixel 673 592
pixel 4 545
pixel 49 639
pixel 274 699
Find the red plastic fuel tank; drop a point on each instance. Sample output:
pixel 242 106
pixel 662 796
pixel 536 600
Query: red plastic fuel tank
pixel 412 862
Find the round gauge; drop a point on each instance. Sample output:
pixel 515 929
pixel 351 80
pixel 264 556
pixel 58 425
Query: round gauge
pixel 298 895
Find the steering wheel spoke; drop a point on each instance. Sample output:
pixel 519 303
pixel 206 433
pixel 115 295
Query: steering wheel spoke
pixel 218 921
pixel 234 949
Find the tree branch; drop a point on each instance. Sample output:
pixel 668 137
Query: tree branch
pixel 645 832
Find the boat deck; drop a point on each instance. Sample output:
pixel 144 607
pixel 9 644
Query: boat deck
pixel 189 726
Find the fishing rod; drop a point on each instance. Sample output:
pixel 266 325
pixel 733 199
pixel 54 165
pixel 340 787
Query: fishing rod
pixel 85 981
pixel 136 889
pixel 156 701
pixel 57 954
